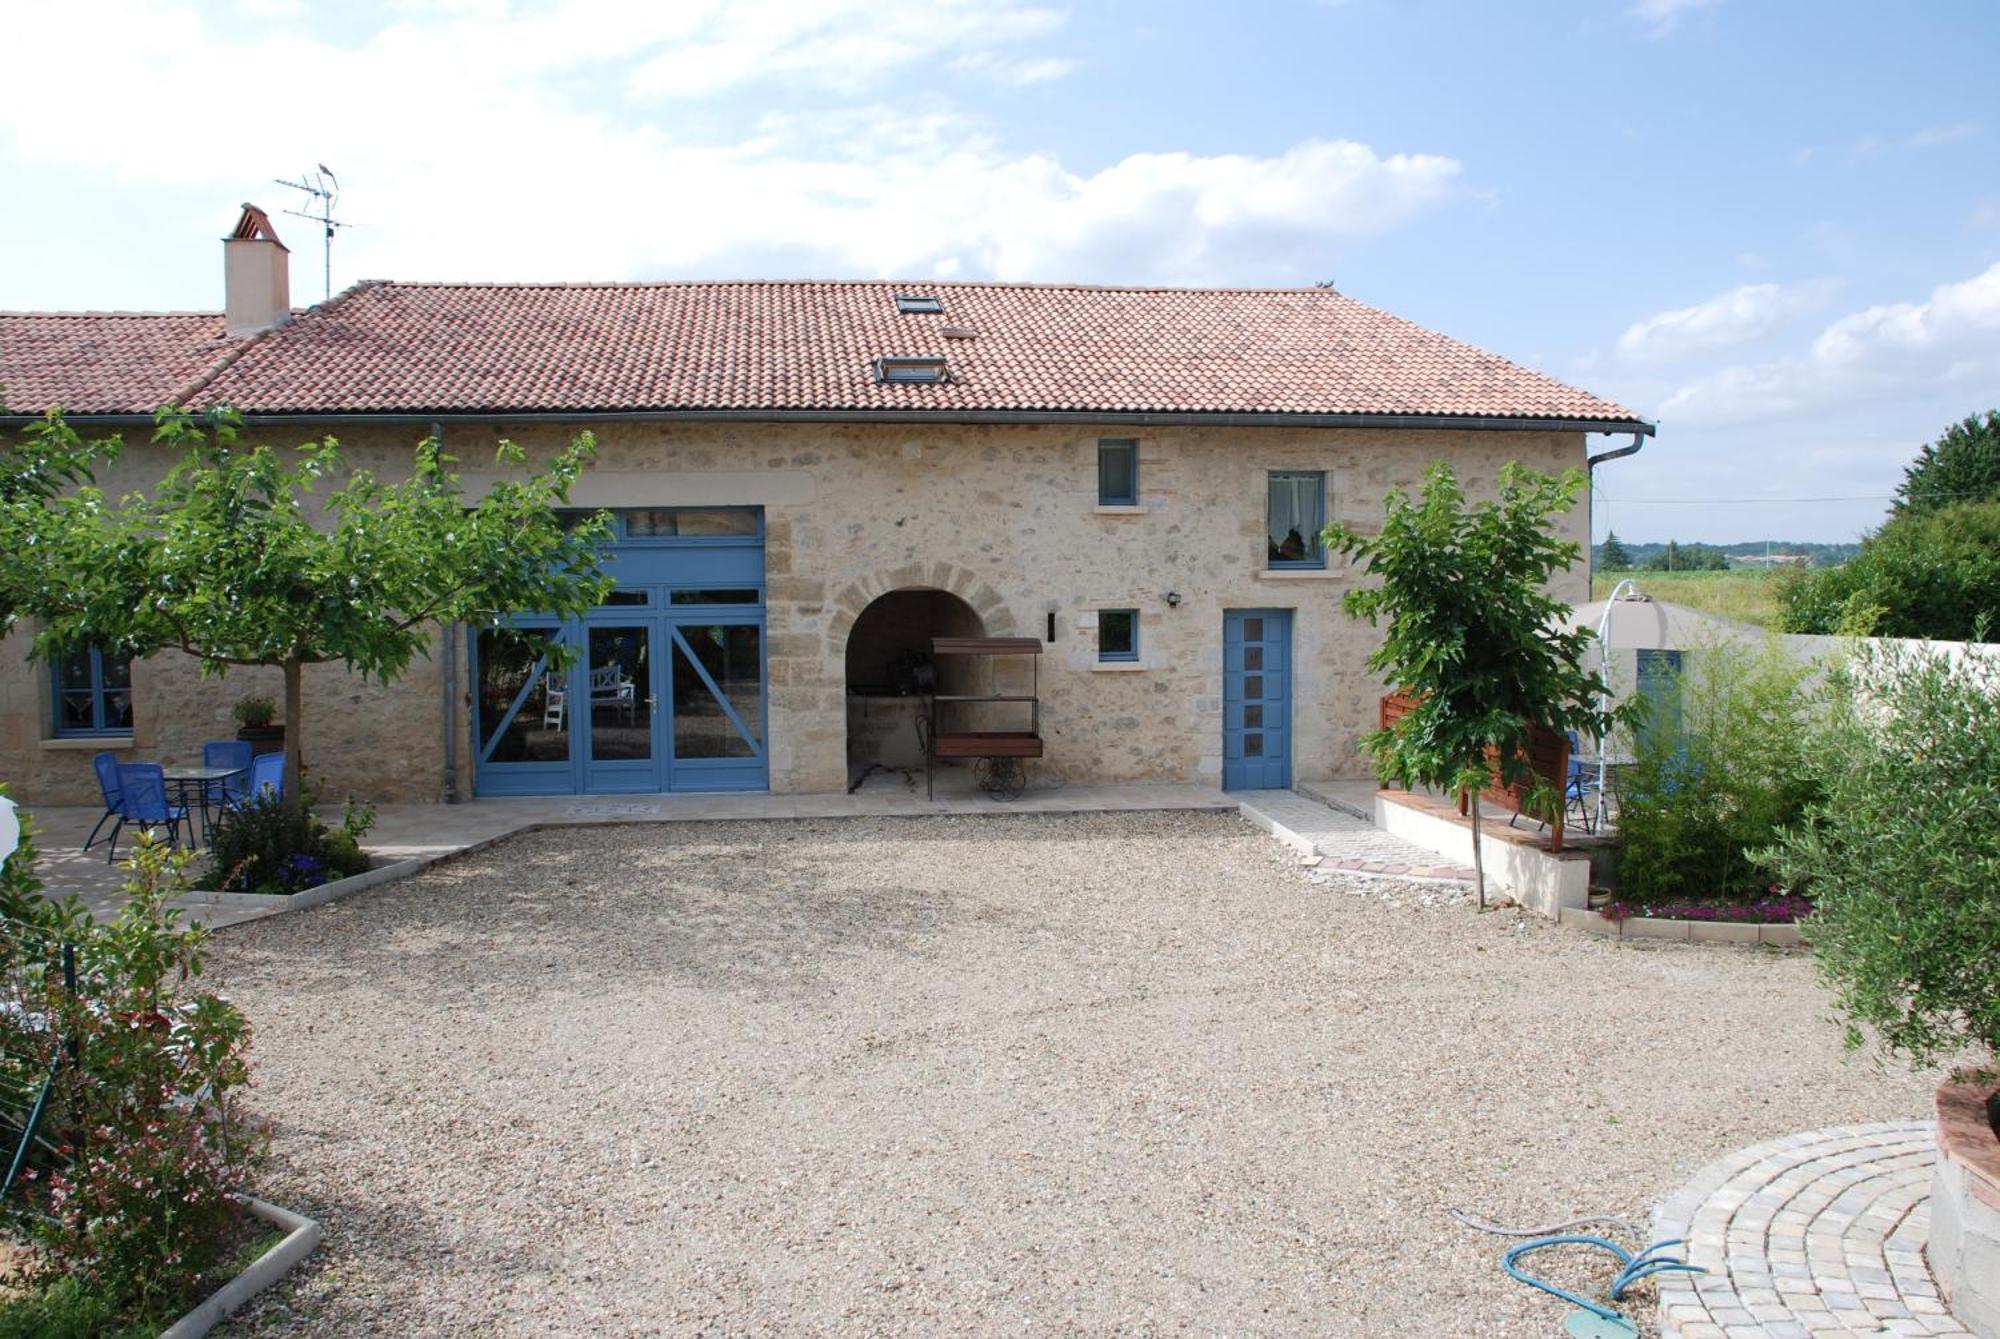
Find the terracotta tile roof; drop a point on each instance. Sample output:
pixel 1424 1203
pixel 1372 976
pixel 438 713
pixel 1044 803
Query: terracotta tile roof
pixel 107 362
pixel 778 346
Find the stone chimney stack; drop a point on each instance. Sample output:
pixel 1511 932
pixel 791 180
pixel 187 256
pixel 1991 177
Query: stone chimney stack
pixel 256 276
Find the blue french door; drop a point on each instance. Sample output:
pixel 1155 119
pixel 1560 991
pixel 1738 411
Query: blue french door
pixel 657 699
pixel 1256 699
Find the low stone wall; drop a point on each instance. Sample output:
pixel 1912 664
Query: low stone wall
pixel 1965 1209
pixel 1777 935
pixel 1516 859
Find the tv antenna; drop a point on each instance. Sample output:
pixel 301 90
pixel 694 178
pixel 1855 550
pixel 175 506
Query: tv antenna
pixel 322 189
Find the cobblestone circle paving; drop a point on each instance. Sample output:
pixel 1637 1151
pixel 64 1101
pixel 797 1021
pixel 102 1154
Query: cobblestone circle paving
pixel 1813 1236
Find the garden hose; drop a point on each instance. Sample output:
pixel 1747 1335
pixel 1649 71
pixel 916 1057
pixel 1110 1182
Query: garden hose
pixel 1593 1319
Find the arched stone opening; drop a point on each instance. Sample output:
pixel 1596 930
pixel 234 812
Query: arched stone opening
pixel 890 673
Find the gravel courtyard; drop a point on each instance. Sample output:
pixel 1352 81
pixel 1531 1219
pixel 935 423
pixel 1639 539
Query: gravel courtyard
pixel 1131 1074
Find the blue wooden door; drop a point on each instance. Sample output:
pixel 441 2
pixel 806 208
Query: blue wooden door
pixel 1256 699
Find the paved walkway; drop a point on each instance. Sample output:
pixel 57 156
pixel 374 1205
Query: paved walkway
pixel 431 831
pixel 1340 839
pixel 1813 1236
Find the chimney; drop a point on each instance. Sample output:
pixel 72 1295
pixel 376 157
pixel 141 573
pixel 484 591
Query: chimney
pixel 256 276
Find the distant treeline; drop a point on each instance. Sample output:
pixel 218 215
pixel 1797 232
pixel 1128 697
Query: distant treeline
pixel 1615 554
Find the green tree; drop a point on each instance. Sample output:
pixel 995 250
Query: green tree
pixel 1931 574
pixel 1901 854
pixel 1473 634
pixel 225 560
pixel 1962 465
pixel 55 460
pixel 1613 556
pixel 1677 557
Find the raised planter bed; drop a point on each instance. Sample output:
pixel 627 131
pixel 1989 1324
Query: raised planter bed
pixel 310 897
pixel 1777 934
pixel 1965 1208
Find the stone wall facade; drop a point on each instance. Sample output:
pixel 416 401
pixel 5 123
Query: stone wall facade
pixel 1003 516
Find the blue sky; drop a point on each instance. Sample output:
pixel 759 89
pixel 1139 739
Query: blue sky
pixel 1773 226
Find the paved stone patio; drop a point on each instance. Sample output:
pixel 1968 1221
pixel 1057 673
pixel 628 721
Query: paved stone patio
pixel 1813 1236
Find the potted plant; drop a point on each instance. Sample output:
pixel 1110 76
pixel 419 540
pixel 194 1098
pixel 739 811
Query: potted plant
pixel 1904 868
pixel 254 721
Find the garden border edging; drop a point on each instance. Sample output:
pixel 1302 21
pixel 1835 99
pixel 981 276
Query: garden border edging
pixel 302 1236
pixel 310 897
pixel 1773 934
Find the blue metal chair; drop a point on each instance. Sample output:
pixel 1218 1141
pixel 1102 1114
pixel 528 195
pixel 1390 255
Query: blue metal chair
pixel 267 772
pixel 107 781
pixel 142 799
pixel 1580 785
pixel 235 753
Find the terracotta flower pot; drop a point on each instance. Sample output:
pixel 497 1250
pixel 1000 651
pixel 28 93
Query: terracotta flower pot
pixel 263 738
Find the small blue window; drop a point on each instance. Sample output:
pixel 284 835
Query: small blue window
pixel 1117 472
pixel 93 694
pixel 1297 515
pixel 1118 634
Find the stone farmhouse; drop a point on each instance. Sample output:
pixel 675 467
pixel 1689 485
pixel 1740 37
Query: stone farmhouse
pixel 811 481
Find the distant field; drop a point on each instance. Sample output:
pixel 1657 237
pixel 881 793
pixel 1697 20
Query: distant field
pixel 1748 597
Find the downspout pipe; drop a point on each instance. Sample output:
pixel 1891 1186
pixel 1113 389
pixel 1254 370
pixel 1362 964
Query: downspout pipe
pixel 448 677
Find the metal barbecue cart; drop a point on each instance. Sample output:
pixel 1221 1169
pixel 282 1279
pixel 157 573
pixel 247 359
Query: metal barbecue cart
pixel 997 754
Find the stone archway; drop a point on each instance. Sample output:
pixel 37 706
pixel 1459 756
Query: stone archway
pixel 967 585
pixel 880 633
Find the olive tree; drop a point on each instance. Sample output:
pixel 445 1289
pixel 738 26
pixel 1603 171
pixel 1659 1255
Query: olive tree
pixel 1472 633
pixel 226 559
pixel 1901 853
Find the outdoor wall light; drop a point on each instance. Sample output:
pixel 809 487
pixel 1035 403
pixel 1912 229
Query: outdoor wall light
pixel 1173 599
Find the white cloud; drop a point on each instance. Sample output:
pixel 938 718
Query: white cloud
pixel 1724 321
pixel 1949 341
pixel 1662 17
pixel 1931 136
pixel 839 44
pixel 536 145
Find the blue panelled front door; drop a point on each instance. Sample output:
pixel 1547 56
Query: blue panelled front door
pixel 1256 699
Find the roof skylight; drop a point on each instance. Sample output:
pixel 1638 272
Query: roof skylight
pixel 918 304
pixel 911 369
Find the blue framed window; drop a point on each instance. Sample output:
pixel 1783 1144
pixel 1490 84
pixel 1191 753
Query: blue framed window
pixel 93 694
pixel 1297 514
pixel 1118 634
pixel 1117 472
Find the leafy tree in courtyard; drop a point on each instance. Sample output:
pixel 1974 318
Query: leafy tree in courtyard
pixel 226 560
pixel 1473 634
pixel 1613 556
pixel 1962 465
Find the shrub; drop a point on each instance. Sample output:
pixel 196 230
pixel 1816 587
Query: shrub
pixel 145 1151
pixel 1931 574
pixel 1902 852
pixel 1721 772
pixel 268 846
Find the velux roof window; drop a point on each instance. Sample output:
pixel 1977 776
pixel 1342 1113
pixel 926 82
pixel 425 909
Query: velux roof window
pixel 918 304
pixel 911 369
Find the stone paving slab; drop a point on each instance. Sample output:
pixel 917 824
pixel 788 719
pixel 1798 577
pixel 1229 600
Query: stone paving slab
pixel 1818 1235
pixel 1337 840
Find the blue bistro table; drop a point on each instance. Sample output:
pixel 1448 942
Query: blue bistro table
pixel 202 786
